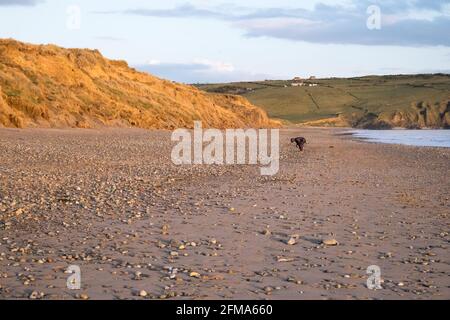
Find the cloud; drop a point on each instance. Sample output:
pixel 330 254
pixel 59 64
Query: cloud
pixel 198 71
pixel 108 38
pixel 182 11
pixel 403 33
pixel 216 66
pixel 403 22
pixel 20 2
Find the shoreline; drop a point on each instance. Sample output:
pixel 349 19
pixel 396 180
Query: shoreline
pixel 413 138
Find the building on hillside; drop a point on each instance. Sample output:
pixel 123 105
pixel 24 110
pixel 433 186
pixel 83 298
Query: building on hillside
pixel 312 78
pixel 303 84
pixel 297 79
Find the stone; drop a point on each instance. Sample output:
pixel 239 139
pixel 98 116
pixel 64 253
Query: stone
pixel 330 242
pixel 291 241
pixel 281 259
pixel 36 295
pixel 294 280
pixel 84 296
pixel 268 289
pixel 143 293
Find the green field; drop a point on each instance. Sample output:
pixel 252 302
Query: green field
pixel 375 95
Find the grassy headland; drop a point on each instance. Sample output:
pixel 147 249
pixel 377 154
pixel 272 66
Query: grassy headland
pixel 409 101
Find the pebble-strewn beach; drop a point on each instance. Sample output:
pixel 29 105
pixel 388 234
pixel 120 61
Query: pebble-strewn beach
pixel 139 227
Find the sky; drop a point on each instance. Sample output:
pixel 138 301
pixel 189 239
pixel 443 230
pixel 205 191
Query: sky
pixel 196 41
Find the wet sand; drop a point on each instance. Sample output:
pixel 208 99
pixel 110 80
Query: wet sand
pixel 111 202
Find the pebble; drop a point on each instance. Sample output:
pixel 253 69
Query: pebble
pixel 268 289
pixel 137 275
pixel 143 293
pixel 84 296
pixel 293 280
pixel 281 259
pixel 36 295
pixel 291 241
pixel 330 242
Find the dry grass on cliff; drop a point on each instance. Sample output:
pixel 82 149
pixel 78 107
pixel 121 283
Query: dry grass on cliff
pixel 49 86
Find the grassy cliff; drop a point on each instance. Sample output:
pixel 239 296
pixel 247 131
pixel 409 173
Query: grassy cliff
pixel 49 86
pixel 410 101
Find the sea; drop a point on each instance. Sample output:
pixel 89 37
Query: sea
pixel 423 138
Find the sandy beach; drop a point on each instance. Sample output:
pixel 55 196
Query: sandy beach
pixel 111 202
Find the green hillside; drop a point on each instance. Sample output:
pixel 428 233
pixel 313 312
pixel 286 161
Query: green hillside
pixel 378 101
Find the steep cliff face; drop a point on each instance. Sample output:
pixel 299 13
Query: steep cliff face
pixel 417 116
pixel 49 86
pixel 422 115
